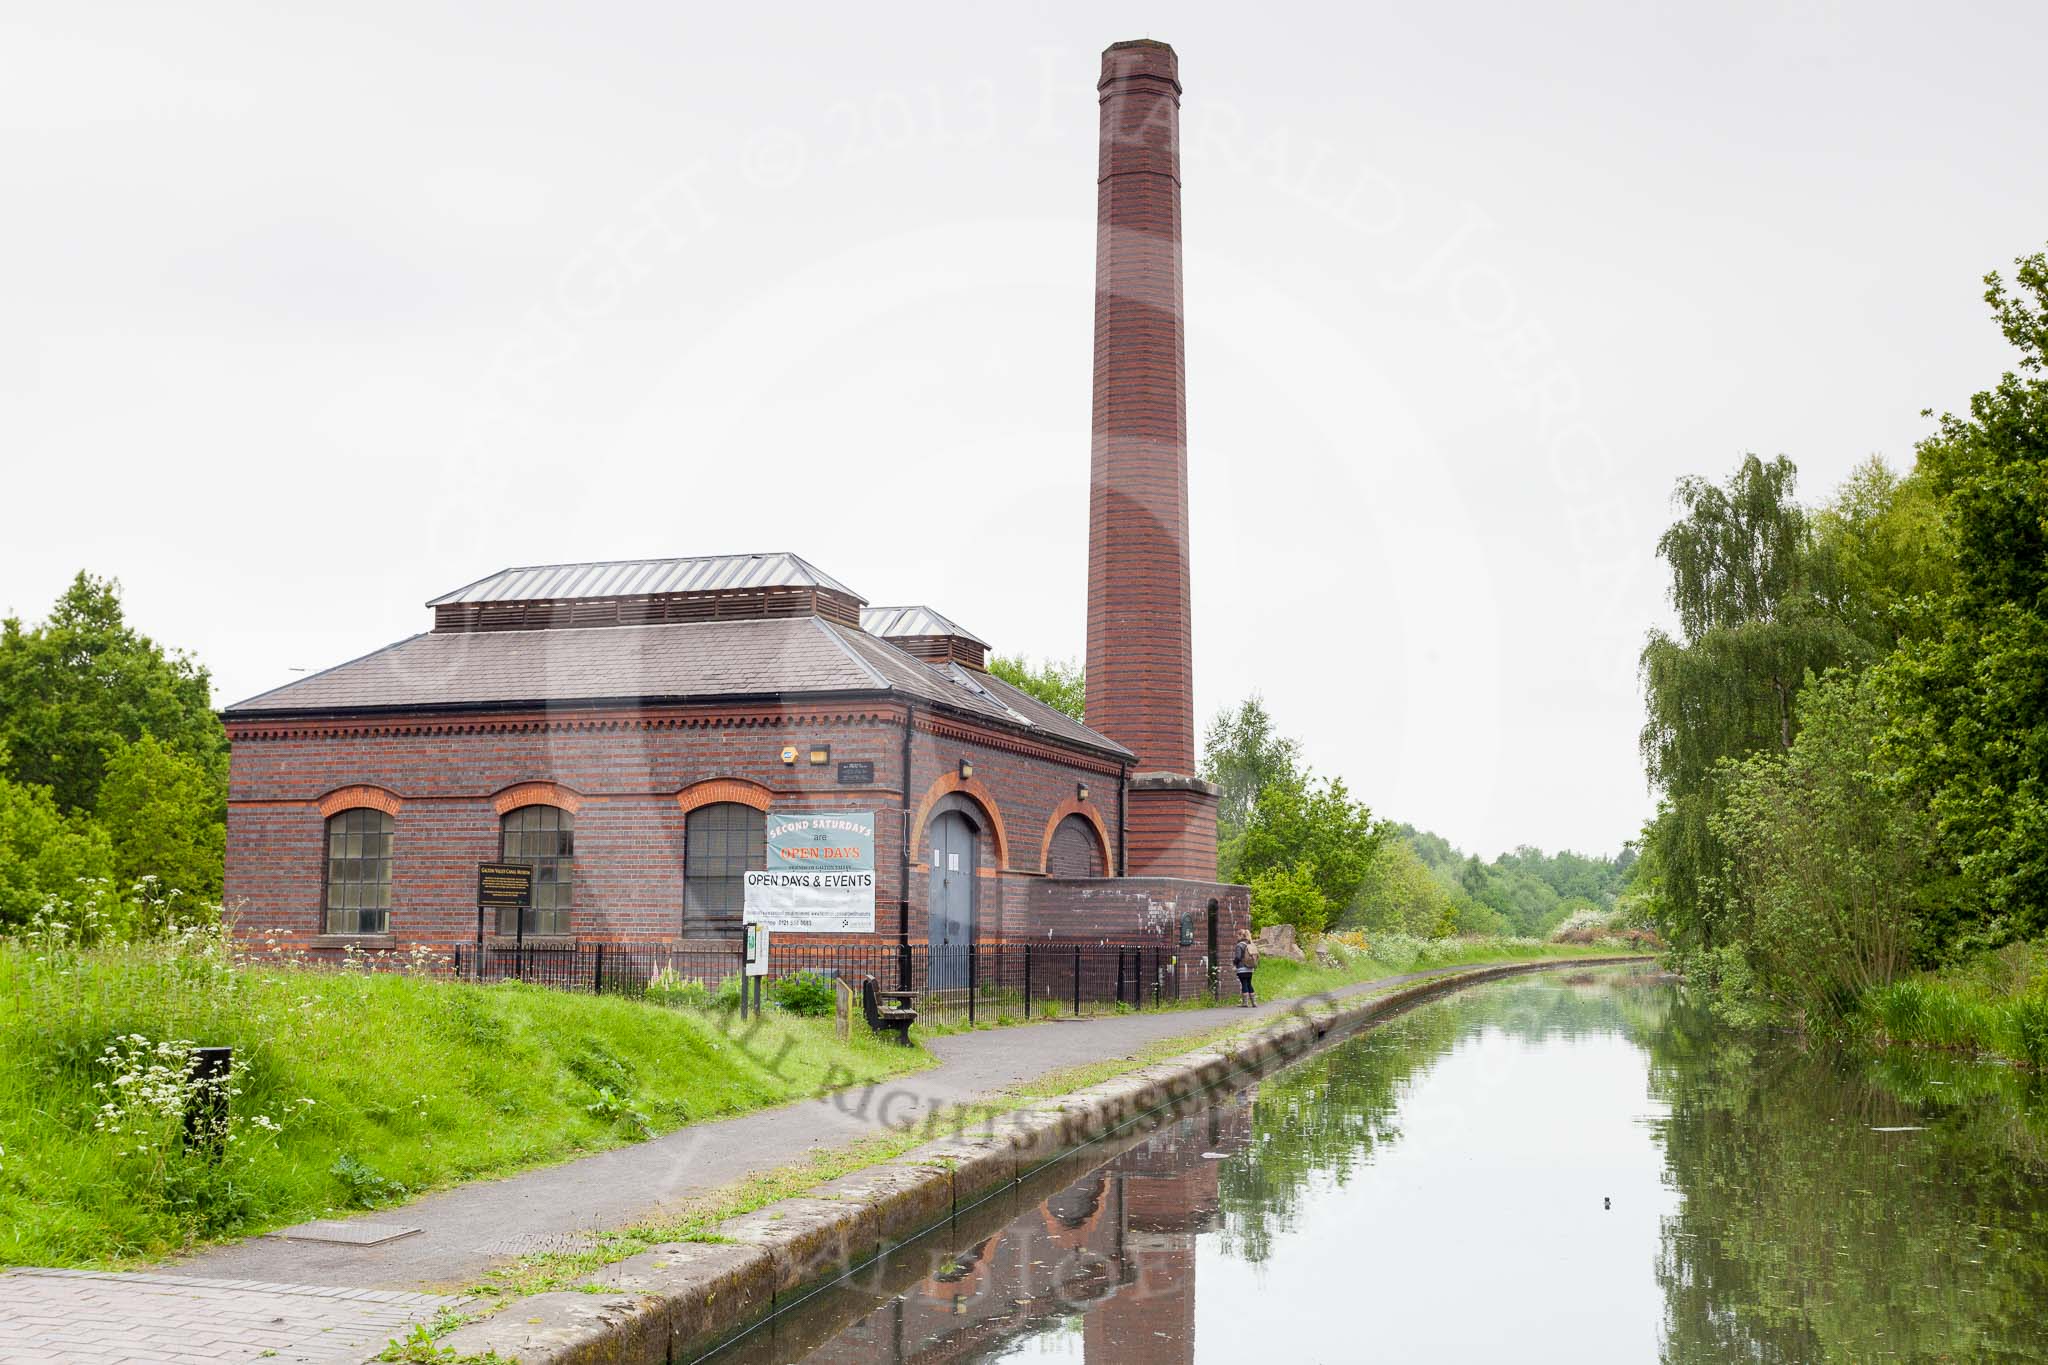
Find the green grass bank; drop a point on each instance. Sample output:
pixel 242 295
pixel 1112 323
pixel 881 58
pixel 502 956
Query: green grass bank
pixel 351 1089
pixel 1995 1003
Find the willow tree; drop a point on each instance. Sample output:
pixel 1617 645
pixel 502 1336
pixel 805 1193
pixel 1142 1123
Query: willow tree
pixel 1754 623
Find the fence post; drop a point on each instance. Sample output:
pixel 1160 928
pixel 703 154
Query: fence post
pixel 971 983
pixel 597 973
pixel 1119 973
pixel 1027 982
pixel 1077 981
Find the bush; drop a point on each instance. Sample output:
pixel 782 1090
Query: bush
pixel 364 1187
pixel 689 993
pixel 162 811
pixel 45 855
pixel 1831 867
pixel 1288 895
pixel 678 992
pixel 806 993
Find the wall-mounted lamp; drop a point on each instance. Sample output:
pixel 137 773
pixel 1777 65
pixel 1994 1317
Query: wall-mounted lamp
pixel 966 770
pixel 1080 791
pixel 821 754
pixel 789 754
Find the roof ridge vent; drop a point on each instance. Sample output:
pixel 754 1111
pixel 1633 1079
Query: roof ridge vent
pixel 926 634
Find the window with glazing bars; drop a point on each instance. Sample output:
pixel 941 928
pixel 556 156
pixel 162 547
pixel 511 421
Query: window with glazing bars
pixel 544 836
pixel 721 844
pixel 358 872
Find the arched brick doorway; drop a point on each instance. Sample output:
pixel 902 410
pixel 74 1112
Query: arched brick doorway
pixel 950 900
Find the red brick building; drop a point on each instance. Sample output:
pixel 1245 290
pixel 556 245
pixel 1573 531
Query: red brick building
pixel 625 727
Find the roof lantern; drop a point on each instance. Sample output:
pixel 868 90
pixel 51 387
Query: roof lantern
pixel 640 592
pixel 925 634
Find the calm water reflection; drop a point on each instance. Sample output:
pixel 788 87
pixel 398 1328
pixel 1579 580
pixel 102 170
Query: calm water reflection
pixel 1577 1168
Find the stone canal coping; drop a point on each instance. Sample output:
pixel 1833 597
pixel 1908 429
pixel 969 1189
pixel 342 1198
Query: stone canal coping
pixel 678 1301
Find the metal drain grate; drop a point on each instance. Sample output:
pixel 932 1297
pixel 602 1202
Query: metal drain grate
pixel 347 1234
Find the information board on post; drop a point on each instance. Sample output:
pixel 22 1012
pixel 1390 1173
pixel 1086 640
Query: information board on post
pixel 820 877
pixel 504 886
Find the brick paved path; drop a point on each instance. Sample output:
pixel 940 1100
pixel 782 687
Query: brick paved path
pixel 96 1318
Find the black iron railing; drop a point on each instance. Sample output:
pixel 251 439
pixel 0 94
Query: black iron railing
pixel 970 982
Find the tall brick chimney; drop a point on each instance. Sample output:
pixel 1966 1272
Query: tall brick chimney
pixel 1140 659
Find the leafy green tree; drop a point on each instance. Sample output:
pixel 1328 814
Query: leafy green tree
pixel 1832 862
pixel 163 811
pixel 1243 754
pixel 1311 828
pixel 1401 893
pixel 1059 683
pixel 1753 624
pixel 83 683
pixel 1971 727
pixel 1883 554
pixel 44 853
pixel 1289 895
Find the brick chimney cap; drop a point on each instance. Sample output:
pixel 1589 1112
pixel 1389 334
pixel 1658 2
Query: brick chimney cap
pixel 1139 58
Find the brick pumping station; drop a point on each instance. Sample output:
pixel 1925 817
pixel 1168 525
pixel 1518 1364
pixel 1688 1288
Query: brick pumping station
pixel 680 748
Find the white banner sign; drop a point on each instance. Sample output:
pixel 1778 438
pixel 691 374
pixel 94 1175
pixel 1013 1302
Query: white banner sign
pixel 812 902
pixel 820 877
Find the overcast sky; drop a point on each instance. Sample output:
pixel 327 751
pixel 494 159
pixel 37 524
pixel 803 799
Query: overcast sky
pixel 309 318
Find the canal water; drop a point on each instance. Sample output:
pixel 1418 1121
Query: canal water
pixel 1562 1167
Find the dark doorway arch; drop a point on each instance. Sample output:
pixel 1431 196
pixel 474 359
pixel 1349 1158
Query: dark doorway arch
pixel 950 899
pixel 1075 850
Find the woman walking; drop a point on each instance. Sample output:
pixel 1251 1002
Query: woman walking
pixel 1244 959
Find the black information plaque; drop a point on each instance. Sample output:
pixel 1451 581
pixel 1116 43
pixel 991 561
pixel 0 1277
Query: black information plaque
pixel 504 886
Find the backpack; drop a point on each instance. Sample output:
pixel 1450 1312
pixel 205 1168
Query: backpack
pixel 1247 954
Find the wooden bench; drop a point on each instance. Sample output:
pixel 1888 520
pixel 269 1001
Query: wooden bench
pixel 887 1011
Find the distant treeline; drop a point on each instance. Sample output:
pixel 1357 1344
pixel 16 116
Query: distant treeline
pixel 1527 892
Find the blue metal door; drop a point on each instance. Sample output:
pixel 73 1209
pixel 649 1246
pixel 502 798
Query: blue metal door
pixel 951 899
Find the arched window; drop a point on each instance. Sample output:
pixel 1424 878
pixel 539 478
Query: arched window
pixel 721 844
pixel 544 836
pixel 1076 849
pixel 358 871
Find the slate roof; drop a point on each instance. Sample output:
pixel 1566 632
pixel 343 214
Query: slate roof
pixel 637 577
pixel 681 661
pixel 891 622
